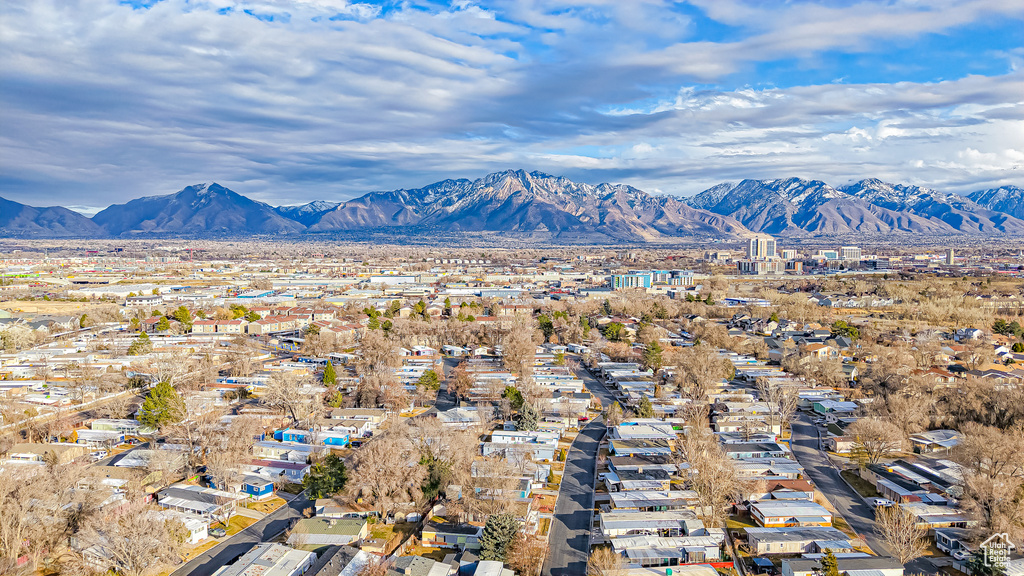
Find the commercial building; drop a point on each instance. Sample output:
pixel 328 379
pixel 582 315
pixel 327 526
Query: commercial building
pixel 761 247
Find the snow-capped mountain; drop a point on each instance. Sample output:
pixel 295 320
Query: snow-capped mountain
pixel 544 207
pixel 202 209
pixel 797 207
pixel 1008 199
pixel 307 214
pixel 533 203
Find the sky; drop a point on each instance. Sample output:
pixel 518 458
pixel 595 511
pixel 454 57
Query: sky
pixel 289 101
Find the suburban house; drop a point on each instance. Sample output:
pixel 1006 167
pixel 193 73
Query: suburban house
pixel 873 565
pixel 275 559
pixel 785 513
pixel 796 540
pixel 328 532
pixel 452 535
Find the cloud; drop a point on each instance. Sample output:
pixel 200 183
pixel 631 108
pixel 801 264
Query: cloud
pixel 294 100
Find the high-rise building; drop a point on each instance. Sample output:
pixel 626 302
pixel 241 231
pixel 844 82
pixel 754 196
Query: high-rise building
pixel 950 257
pixel 850 253
pixel 761 247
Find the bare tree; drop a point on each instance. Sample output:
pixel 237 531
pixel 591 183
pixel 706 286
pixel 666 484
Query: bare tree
pixel 519 344
pixel 134 541
pixel 698 368
pixel 900 530
pixel 284 391
pixel 386 470
pixel 875 438
pixel 460 383
pixel 526 555
pixel 604 561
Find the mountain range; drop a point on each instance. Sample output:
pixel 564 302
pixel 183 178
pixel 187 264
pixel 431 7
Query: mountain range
pixel 541 206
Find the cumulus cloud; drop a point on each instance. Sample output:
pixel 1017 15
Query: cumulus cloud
pixel 294 100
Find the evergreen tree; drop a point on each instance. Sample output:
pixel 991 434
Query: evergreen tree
pixel 162 406
pixel 829 564
pixel 330 376
pixel 326 478
pixel 182 315
pixel 644 408
pixel 500 532
pixel 774 317
pixel 652 356
pixel 141 345
pixel 546 326
pixel 527 417
pixel 429 380
pixel 163 325
pixel 514 397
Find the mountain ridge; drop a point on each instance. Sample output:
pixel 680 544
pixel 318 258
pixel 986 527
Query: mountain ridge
pixel 541 206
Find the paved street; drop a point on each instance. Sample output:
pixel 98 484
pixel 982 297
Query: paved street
pixel 569 539
pixel 270 527
pixel 846 500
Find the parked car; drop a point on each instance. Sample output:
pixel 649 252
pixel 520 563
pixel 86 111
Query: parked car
pixel 99 454
pixel 217 532
pixel 882 503
pixel 961 554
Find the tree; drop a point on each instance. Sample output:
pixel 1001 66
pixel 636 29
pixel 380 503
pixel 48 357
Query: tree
pixel 526 555
pixel 604 561
pixel 162 406
pixel 875 438
pixel 899 529
pixel 386 470
pixel 141 346
pixel 163 324
pixel 614 331
pixel 841 328
pixel 613 417
pixel 499 534
pixel 644 408
pixel 330 376
pixel 182 315
pixel 326 478
pixel 518 345
pixel 993 469
pixel 698 368
pixel 136 541
pixel 829 564
pixel 429 380
pixel 460 382
pixel 284 392
pixel 652 356
pixel 514 397
pixel 527 417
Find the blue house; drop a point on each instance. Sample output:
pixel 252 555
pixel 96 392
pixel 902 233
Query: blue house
pixel 325 437
pixel 257 487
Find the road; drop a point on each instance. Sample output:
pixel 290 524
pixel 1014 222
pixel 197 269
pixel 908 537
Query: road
pixel 847 501
pixel 263 531
pixel 569 539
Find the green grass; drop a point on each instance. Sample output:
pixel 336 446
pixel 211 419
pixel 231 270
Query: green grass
pixel 862 486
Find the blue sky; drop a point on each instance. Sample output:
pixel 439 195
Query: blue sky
pixel 288 101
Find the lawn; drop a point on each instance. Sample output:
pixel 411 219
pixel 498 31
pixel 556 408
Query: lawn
pixel 291 488
pixel 199 549
pixel 739 522
pixel 862 486
pixel 266 506
pixel 236 524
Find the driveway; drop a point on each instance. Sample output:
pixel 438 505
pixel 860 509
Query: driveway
pixel 569 539
pixel 847 501
pixel 228 551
